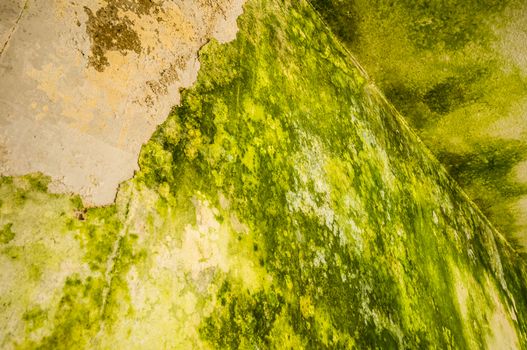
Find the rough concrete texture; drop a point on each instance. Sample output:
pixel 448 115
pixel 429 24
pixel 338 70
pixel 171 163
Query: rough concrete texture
pixel 85 83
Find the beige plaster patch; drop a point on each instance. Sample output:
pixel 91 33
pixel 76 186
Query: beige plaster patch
pixel 82 126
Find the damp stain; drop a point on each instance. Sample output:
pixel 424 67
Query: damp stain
pixel 109 30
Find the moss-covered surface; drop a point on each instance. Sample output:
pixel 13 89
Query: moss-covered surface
pixel 457 71
pixel 284 204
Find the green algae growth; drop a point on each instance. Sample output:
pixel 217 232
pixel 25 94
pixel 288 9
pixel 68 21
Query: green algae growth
pixel 456 72
pixel 283 204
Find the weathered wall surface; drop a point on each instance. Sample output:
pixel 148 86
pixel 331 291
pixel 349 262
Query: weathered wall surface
pixel 458 72
pixel 85 83
pixel 284 204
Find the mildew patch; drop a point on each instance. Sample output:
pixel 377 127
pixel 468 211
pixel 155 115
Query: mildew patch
pixel 109 32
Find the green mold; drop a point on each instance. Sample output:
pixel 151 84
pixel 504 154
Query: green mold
pixel 7 234
pixel 445 67
pixel 283 204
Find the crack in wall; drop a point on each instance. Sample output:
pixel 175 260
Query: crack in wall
pixel 13 29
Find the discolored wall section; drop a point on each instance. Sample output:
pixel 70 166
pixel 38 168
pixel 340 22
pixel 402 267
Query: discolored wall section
pixel 85 83
pixel 283 204
pixel 457 71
